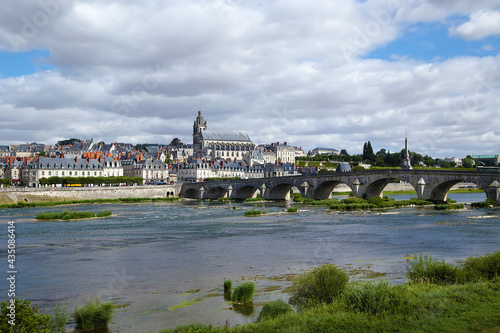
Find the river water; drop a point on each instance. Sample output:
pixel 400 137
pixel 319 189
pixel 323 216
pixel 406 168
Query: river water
pixel 164 264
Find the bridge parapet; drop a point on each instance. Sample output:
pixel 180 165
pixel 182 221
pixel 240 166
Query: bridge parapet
pixel 432 185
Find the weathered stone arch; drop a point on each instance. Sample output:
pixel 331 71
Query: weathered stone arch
pixel 280 192
pixel 192 193
pixel 376 188
pixel 323 190
pixel 440 192
pixel 246 192
pixel 216 193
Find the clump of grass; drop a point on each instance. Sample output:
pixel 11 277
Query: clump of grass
pixel 449 206
pixel 274 309
pixel 482 268
pixel 104 213
pixel 243 293
pixel 426 269
pixel 321 285
pixel 66 215
pixel 374 298
pixel 253 213
pixel 93 315
pixel 292 210
pixel 228 286
pixel 253 199
pixel 59 319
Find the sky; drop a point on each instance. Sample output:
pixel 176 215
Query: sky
pixel 330 74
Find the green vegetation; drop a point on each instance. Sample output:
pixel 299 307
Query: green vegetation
pixel 253 213
pixel 425 269
pixel 274 309
pixel 321 285
pixel 228 286
pixel 471 305
pixel 5 181
pixel 27 318
pixel 93 315
pixel 243 293
pixel 224 199
pixel 22 204
pixel 59 319
pixel 105 213
pixel 449 206
pixel 483 204
pixel 292 210
pixel 67 215
pixel 253 199
pixel 90 180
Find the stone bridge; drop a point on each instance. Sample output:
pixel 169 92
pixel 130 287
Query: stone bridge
pixel 432 185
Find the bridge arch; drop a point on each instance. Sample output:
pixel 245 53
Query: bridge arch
pixel 280 192
pixel 324 190
pixel 216 193
pixel 192 193
pixel 376 188
pixel 246 192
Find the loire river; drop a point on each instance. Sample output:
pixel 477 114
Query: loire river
pixel 164 264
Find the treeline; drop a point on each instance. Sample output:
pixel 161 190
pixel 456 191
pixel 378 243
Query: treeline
pixel 90 180
pixel 5 181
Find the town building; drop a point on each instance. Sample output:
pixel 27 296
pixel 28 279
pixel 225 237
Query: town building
pixel 325 151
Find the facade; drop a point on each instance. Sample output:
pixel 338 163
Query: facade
pixel 151 171
pixel 198 170
pixel 219 144
pixel 325 151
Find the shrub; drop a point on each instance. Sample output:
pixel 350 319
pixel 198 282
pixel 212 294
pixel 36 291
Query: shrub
pixel 373 298
pixel 244 292
pixel 449 206
pixel 425 269
pixel 292 210
pixel 228 285
pixel 104 213
pixel 481 204
pixel 274 309
pixel 320 285
pixel 482 268
pixel 27 318
pixel 93 315
pixel 253 213
pixel 60 318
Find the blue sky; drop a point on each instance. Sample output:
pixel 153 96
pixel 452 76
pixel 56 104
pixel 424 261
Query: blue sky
pixel 23 63
pixel 120 71
pixel 432 41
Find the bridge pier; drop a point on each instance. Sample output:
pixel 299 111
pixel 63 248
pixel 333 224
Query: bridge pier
pixel 493 192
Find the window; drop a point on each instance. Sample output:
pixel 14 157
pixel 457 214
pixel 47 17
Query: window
pixel 50 173
pixel 62 173
pixel 43 173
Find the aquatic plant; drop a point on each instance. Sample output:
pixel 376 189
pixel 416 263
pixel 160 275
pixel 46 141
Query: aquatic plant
pixel 374 297
pixel 320 285
pixel 253 213
pixel 104 213
pixel 93 315
pixel 449 206
pixel 228 285
pixel 482 268
pixel 274 309
pixel 426 269
pixel 292 210
pixel 243 293
pixel 59 319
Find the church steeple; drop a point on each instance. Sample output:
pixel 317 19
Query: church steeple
pixel 199 125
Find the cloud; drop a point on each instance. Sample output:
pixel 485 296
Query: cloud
pixel 282 71
pixel 482 24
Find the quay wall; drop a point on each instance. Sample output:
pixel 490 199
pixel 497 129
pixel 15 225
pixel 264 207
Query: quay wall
pixel 13 195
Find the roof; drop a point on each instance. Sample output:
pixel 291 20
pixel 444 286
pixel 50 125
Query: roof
pixel 328 149
pixel 225 136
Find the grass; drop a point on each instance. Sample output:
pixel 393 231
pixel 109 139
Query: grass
pixel 67 215
pixel 243 293
pixel 22 204
pixel 228 286
pixel 253 199
pixel 253 213
pixel 93 315
pixel 470 305
pixel 449 206
pixel 292 210
pixel 274 309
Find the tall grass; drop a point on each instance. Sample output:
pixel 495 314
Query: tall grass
pixel 321 285
pixel 59 319
pixel 253 213
pixel 274 309
pixel 243 293
pixel 292 210
pixel 426 269
pixel 228 286
pixel 93 315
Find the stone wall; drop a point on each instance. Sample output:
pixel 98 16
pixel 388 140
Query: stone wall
pixel 13 195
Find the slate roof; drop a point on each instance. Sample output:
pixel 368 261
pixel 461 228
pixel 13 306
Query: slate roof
pixel 225 136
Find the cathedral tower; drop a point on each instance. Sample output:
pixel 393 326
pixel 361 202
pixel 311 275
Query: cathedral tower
pixel 199 125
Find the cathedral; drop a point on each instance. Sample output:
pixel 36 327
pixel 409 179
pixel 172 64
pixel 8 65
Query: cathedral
pixel 219 144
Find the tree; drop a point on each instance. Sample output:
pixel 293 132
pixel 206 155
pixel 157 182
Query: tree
pixel 344 152
pixel 71 141
pixel 176 142
pixel 468 162
pixel 368 154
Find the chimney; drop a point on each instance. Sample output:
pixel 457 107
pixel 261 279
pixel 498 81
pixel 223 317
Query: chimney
pixel 100 159
pixel 128 155
pixel 76 158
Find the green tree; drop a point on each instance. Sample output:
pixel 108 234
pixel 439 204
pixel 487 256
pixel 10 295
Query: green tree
pixel 176 142
pixel 468 162
pixel 368 154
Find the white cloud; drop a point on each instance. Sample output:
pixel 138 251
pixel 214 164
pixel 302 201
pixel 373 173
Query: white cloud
pixel 482 23
pixel 133 72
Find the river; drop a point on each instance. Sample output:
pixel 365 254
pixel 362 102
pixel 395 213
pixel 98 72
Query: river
pixel 164 264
